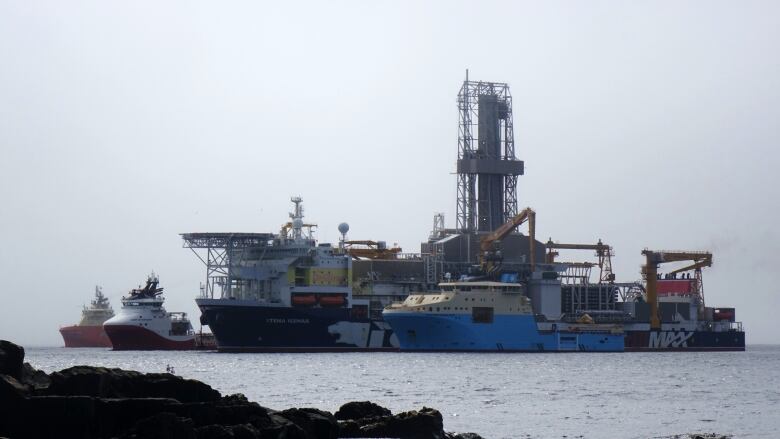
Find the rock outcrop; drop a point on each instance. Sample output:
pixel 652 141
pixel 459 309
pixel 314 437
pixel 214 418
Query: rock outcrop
pixel 97 402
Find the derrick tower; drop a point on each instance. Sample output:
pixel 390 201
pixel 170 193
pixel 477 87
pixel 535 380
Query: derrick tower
pixel 487 166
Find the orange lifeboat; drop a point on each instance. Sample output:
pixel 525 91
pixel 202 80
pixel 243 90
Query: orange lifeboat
pixel 303 300
pixel 332 300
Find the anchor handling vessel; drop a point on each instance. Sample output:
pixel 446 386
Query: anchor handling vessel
pixel 89 333
pixel 143 323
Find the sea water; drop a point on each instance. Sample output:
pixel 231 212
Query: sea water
pixel 501 395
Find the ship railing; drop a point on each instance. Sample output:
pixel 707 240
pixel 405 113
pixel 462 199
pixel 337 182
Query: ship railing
pixel 178 316
pixel 736 326
pixel 724 326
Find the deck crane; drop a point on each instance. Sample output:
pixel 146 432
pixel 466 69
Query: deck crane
pixel 371 250
pixel 603 252
pixel 489 243
pixel 650 272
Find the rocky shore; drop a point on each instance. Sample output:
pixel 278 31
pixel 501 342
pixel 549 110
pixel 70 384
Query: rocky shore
pixel 97 402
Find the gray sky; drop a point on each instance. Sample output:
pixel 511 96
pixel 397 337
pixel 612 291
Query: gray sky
pixel 646 124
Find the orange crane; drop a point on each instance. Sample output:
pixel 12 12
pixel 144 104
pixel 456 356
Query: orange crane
pixel 371 250
pixel 650 272
pixel 603 252
pixel 488 243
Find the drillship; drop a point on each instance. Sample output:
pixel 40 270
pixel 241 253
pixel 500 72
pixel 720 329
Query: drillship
pixel 490 316
pixel 143 323
pixel 284 292
pixel 89 332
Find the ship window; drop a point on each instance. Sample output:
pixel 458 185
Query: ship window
pixel 481 314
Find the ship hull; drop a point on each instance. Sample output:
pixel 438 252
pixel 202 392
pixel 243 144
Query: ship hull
pixel 418 331
pixel 250 327
pixel 681 340
pixel 136 338
pixel 85 337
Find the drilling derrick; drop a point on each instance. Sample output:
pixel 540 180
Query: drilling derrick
pixel 487 166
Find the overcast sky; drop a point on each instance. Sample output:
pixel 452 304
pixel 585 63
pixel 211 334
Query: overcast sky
pixel 123 124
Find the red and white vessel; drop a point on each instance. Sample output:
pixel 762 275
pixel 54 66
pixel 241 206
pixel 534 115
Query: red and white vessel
pixel 143 323
pixel 89 332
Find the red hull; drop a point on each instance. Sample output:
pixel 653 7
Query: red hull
pixel 135 338
pixel 85 337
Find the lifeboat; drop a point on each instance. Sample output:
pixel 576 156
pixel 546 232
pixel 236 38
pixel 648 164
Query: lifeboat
pixel 304 300
pixel 333 300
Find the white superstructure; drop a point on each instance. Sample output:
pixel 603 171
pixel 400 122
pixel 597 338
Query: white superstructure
pixel 143 322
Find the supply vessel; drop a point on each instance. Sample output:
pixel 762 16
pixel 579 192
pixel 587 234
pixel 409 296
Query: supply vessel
pixel 143 323
pixel 491 316
pixel 284 291
pixel 89 333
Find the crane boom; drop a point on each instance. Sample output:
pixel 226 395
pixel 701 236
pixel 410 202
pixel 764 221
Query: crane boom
pixel 696 266
pixel 650 271
pixel 603 251
pixel 371 249
pixel 597 246
pixel 487 243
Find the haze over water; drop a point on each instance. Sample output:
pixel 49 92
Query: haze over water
pixel 574 395
pixel 122 124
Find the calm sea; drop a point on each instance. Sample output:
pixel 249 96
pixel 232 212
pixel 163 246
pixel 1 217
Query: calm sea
pixel 587 395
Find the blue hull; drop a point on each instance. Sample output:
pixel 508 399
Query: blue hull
pixel 519 333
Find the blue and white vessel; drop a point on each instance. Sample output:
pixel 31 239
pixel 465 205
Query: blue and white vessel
pixel 491 316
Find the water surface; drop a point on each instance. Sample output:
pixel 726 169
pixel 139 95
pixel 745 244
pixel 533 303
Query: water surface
pixel 574 395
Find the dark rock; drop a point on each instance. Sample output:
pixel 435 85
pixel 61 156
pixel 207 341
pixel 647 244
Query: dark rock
pixel 118 383
pixel 276 425
pixel 96 402
pixel 241 431
pixel 246 431
pixel 316 423
pixel 214 431
pixel 36 379
pixel 11 359
pixel 115 415
pixel 360 410
pixel 162 426
pixel 707 436
pixel 236 398
pixel 56 416
pixel 12 396
pixel 81 416
pixel 463 436
pixel 11 390
pixel 424 424
pixel 205 413
pixel 349 428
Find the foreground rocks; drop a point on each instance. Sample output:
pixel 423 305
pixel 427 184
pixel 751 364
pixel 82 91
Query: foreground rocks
pixel 97 402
